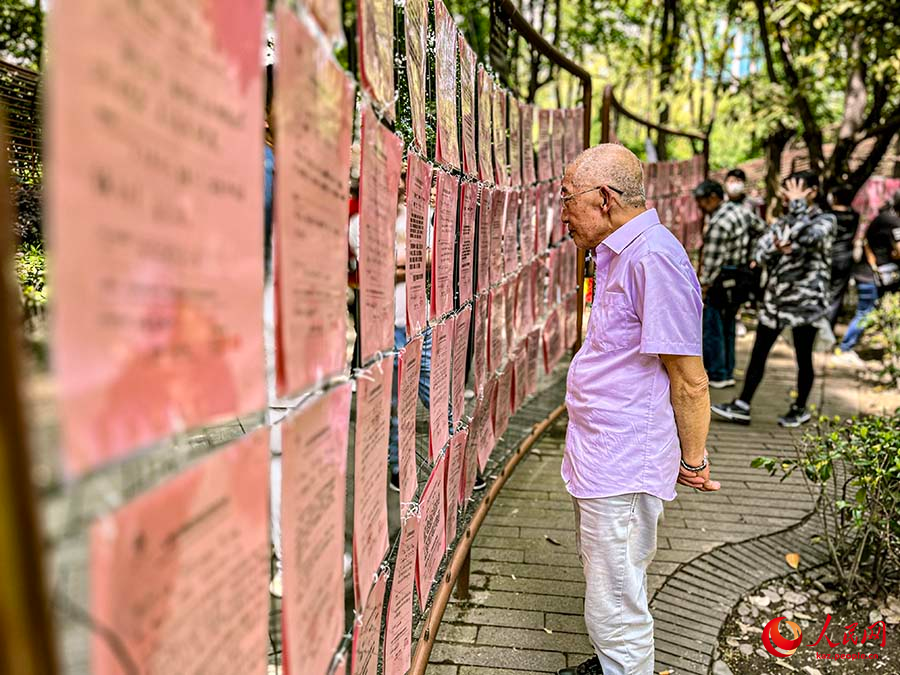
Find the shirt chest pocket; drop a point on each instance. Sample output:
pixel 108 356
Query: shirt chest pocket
pixel 616 327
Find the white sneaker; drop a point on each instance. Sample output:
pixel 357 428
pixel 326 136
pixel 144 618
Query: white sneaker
pixel 722 384
pixel 740 330
pixel 275 589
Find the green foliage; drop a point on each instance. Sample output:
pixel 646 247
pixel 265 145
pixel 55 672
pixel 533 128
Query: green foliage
pixel 21 32
pixel 885 322
pixel 30 273
pixel 852 468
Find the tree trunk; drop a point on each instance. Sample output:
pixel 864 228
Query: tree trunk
pixel 669 38
pixel 774 146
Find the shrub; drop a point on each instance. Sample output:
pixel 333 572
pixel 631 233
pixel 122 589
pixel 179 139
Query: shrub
pixel 852 469
pixel 28 225
pixel 30 273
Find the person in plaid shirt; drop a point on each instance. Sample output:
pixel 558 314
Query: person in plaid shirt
pixel 726 244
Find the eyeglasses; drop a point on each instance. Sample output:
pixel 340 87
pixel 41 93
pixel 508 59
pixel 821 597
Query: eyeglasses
pixel 565 199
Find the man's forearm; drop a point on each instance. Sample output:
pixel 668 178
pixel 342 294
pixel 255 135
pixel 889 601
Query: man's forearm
pixel 691 405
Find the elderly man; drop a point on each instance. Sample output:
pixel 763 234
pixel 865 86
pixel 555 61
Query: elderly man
pixel 637 399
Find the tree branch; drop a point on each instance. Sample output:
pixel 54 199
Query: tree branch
pixel 764 38
pixel 870 163
pixel 812 134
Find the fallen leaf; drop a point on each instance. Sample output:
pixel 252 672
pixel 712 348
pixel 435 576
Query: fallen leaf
pixel 513 577
pixel 793 559
pixel 548 631
pixel 552 540
pixel 666 672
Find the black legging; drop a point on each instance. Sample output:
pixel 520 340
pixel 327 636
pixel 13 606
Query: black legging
pixel 804 337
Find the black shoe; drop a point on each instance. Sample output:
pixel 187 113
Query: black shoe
pixel 795 417
pixel 395 481
pixel 589 667
pixel 733 412
pixel 479 484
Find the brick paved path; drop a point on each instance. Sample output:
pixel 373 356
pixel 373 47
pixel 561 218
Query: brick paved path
pixel 525 610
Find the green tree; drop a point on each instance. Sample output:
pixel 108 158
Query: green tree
pixel 22 32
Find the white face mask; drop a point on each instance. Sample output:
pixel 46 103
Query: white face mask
pixel 734 188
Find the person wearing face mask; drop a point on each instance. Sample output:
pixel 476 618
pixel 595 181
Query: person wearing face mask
pixel 736 190
pixel 797 254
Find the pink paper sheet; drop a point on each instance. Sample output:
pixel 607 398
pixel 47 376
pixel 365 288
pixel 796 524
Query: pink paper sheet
pixel 545 150
pixel 510 233
pixel 470 469
pixel 327 14
pixel 520 377
pixel 314 113
pixel 485 128
pixel 379 182
pixel 367 634
pixel 504 400
pixel 408 395
pixel 418 196
pixel 501 159
pixel 370 519
pixel 447 152
pixel 156 221
pixel 480 344
pixel 398 625
pixel 533 348
pixel 558 140
pixel 553 341
pixel 441 360
pixel 313 486
pixel 416 23
pixel 454 463
pixel 375 21
pixel 527 116
pixel 509 305
pixel 541 288
pixel 482 427
pixel 468 204
pixel 527 226
pixel 497 329
pixel 498 222
pixel 515 144
pixel 524 317
pixel 485 224
pixel 460 351
pixel 467 86
pixel 444 240
pixel 186 564
pixel 432 535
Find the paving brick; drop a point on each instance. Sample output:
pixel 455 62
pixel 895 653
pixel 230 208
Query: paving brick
pixel 450 632
pixel 488 616
pixel 566 623
pixel 442 670
pixel 540 586
pixel 497 657
pixel 498 554
pixel 555 556
pixel 527 571
pixel 535 639
pixel 530 601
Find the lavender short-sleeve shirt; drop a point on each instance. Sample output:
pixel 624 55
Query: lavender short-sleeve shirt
pixel 622 436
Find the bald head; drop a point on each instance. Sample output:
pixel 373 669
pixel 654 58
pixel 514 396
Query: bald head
pixel 613 165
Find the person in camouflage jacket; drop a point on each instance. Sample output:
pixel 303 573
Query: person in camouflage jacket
pixel 796 252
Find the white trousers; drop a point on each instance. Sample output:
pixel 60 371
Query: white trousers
pixel 616 541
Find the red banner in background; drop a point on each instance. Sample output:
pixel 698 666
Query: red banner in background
pixel 379 181
pixel 314 106
pixel 447 151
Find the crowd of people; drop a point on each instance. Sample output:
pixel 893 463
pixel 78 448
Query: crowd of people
pixel 795 271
